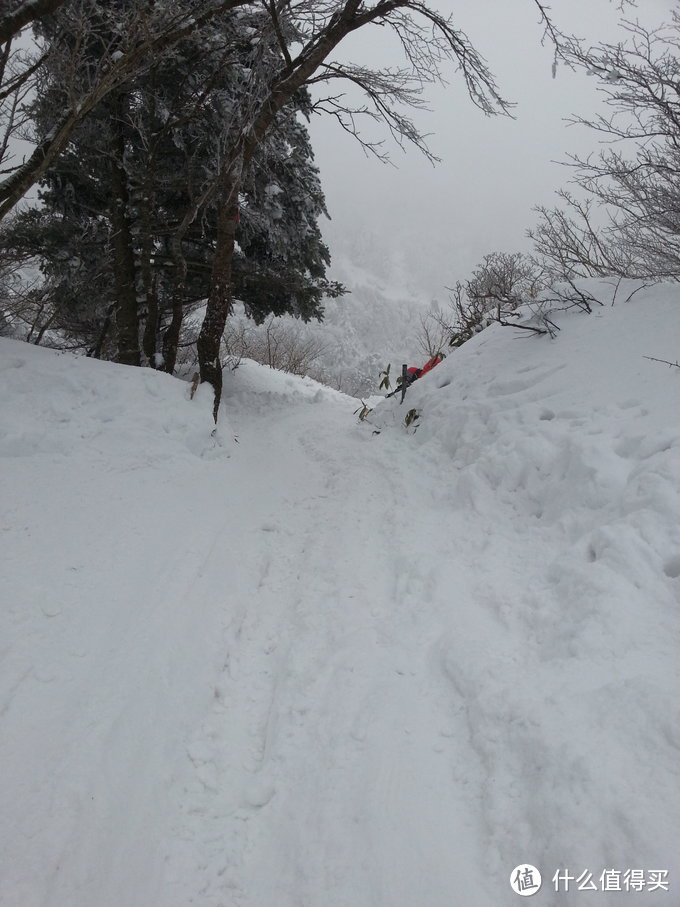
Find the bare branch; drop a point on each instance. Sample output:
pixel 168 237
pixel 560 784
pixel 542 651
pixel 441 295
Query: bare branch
pixel 384 89
pixel 664 361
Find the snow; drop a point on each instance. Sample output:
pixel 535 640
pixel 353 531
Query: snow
pixel 306 661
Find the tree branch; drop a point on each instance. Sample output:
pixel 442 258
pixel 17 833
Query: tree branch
pixel 12 23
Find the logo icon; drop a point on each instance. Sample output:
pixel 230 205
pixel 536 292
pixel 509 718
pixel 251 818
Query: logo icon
pixel 525 880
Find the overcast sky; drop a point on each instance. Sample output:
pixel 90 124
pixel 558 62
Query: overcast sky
pixel 439 221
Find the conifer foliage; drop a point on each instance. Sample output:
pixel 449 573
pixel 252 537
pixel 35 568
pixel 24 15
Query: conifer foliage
pixel 127 225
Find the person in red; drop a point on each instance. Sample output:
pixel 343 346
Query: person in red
pixel 409 375
pixel 414 373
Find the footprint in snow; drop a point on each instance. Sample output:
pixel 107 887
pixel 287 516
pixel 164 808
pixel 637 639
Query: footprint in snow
pixel 672 567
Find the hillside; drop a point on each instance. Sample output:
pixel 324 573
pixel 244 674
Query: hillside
pixel 307 661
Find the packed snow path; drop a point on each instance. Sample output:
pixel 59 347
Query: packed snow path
pixel 321 667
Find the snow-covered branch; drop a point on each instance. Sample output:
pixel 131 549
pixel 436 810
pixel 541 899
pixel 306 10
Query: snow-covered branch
pixel 14 21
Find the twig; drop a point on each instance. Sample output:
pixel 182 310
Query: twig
pixel 642 287
pixel 524 327
pixel 664 361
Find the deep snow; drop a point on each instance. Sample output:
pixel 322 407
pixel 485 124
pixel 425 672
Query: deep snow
pixel 306 664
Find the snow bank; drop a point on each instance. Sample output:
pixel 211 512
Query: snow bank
pixel 109 487
pixel 563 459
pixel 55 401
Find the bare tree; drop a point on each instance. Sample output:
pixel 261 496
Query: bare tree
pixel 434 333
pixel 505 280
pixel 499 285
pixel 570 241
pixel 624 217
pixel 279 343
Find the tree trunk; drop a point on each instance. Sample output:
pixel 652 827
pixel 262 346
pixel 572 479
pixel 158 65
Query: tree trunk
pixel 150 336
pixel 148 319
pixel 220 298
pixel 96 351
pixel 127 320
pixel 172 334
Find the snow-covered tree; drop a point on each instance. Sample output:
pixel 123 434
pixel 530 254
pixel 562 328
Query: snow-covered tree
pixel 129 193
pixel 281 260
pixel 144 32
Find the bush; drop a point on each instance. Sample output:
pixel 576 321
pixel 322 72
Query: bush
pixel 497 288
pixel 277 343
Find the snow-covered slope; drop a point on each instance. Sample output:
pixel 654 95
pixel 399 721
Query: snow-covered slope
pixel 302 664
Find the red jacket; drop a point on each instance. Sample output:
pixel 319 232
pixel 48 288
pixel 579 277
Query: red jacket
pixel 435 360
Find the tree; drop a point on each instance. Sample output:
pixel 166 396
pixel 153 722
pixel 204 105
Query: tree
pixel 503 281
pixel 280 265
pixel 433 335
pixel 305 36
pixel 65 282
pixel 131 185
pixel 625 220
pixel 143 33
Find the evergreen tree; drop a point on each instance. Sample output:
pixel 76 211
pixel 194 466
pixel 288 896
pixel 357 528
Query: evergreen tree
pixel 281 261
pixel 126 218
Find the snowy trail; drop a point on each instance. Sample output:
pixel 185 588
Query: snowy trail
pixel 346 773
pixel 401 735
pixel 324 668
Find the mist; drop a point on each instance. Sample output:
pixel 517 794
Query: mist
pixel 430 225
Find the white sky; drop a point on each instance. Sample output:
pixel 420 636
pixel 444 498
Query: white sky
pixel 438 222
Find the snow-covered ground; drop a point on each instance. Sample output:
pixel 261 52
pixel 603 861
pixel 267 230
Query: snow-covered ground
pixel 312 662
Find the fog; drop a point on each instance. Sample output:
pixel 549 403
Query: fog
pixel 434 223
